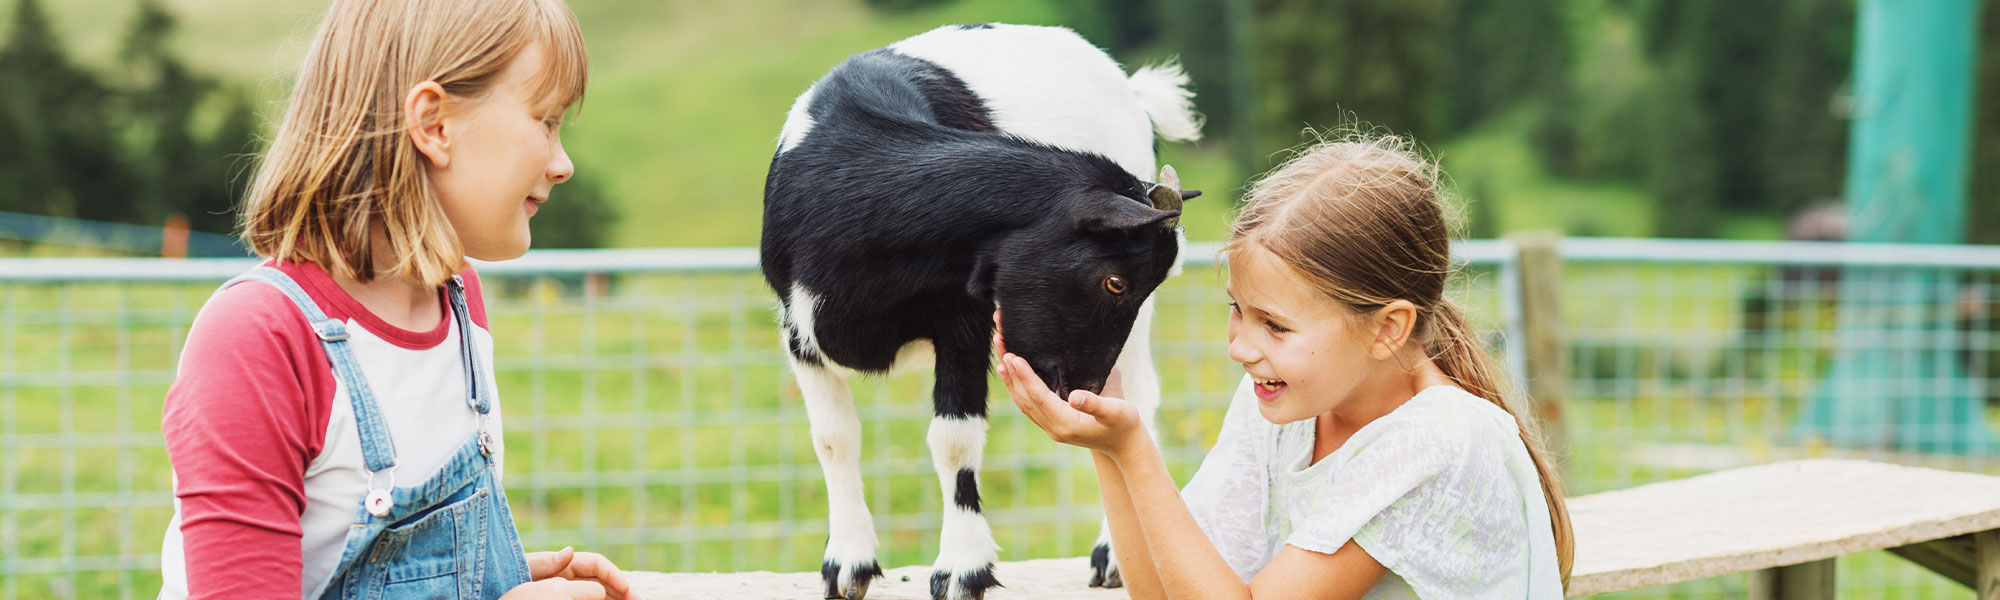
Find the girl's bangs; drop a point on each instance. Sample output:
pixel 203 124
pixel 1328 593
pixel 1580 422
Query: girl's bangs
pixel 566 64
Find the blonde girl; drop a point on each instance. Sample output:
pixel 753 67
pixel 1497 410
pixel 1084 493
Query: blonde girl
pixel 334 425
pixel 1372 449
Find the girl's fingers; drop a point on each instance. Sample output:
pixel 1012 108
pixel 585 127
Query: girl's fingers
pixel 594 566
pixel 578 590
pixel 542 565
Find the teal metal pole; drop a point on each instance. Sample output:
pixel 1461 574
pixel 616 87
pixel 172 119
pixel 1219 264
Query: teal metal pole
pixel 1896 379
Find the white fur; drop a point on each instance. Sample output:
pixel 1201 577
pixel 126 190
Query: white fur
pixel 803 306
pixel 918 354
pixel 798 122
pixel 966 543
pixel 1088 106
pixel 836 433
pixel 1162 90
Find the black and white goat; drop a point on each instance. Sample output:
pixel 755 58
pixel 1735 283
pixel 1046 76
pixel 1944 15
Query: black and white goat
pixel 918 186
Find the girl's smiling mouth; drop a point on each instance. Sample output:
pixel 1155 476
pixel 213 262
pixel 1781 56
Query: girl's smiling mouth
pixel 1268 389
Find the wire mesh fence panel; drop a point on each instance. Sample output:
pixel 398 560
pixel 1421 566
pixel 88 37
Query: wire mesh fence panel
pixel 1694 357
pixel 650 414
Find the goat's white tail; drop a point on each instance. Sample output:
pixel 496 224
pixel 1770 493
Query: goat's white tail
pixel 1162 91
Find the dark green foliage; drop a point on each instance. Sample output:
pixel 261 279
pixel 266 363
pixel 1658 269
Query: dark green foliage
pixel 1320 62
pixel 1983 205
pixel 126 146
pixel 899 5
pixel 1194 30
pixel 176 167
pixel 576 216
pixel 61 146
pixel 1739 117
pixel 1503 52
pixel 1119 26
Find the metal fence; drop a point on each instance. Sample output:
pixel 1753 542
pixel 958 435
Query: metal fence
pixel 651 416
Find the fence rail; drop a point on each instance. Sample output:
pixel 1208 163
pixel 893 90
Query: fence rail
pixel 651 415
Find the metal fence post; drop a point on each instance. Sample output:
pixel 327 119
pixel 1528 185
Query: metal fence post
pixel 1548 361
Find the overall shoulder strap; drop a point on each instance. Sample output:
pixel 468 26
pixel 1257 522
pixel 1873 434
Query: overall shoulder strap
pixel 377 449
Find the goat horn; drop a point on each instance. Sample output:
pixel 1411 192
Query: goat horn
pixel 1166 195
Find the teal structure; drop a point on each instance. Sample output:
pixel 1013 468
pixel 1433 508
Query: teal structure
pixel 1896 381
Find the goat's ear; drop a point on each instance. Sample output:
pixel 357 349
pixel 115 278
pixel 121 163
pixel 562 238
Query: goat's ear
pixel 1121 214
pixel 980 285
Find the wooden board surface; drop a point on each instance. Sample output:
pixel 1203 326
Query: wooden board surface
pixel 1053 578
pixel 1766 516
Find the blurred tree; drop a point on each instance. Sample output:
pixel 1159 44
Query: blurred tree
pixel 1750 90
pixel 1120 26
pixel 177 168
pixel 577 216
pixel 899 5
pixel 124 146
pixel 1192 30
pixel 1983 205
pixel 1503 53
pixel 1327 62
pixel 1805 149
pixel 61 147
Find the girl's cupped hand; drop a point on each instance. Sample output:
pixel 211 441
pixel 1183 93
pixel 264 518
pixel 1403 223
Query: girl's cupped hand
pixel 1098 422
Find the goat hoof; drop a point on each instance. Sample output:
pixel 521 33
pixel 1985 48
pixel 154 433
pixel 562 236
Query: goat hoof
pixel 1104 569
pixel 967 585
pixel 848 582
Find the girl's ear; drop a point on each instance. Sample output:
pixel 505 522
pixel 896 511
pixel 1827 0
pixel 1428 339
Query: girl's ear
pixel 1394 323
pixel 423 120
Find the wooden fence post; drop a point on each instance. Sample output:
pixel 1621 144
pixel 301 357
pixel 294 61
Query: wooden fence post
pixel 1548 360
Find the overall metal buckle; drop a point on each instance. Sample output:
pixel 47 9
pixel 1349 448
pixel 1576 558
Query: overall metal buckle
pixel 379 501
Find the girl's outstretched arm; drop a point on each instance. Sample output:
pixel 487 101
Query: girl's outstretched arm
pixel 1186 564
pixel 1128 543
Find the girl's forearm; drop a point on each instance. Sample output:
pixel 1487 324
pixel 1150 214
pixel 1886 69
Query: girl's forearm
pixel 1187 564
pixel 1135 563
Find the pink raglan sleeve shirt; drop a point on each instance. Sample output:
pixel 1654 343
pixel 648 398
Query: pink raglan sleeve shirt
pixel 246 414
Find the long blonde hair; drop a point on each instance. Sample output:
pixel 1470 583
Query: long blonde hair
pixel 340 163
pixel 1362 218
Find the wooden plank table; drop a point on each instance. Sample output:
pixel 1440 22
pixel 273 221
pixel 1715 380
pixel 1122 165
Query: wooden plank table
pixel 1787 522
pixel 1784 522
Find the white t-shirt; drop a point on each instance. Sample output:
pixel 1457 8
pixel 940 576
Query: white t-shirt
pixel 1441 491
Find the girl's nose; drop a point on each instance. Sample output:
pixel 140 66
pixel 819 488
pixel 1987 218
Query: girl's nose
pixel 560 168
pixel 1240 349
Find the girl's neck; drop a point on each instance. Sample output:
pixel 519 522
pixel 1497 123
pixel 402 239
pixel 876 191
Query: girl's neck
pixel 399 299
pixel 1378 399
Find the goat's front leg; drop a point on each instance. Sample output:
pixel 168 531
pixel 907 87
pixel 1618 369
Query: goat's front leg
pixel 1141 382
pixel 966 552
pixel 849 566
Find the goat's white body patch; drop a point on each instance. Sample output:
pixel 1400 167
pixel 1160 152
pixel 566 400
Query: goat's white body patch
pixel 803 305
pixel 798 122
pixel 1088 105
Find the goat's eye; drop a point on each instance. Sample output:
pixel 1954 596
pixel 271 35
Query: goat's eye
pixel 1115 285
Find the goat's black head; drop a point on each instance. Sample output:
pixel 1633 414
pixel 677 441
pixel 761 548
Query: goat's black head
pixel 1070 288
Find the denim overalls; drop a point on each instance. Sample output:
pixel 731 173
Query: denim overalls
pixel 450 536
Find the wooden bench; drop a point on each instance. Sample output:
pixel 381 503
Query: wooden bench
pixel 1783 522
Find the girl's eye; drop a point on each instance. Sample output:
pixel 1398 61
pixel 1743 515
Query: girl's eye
pixel 1275 328
pixel 552 124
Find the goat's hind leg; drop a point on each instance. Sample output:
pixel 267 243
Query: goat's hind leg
pixel 849 565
